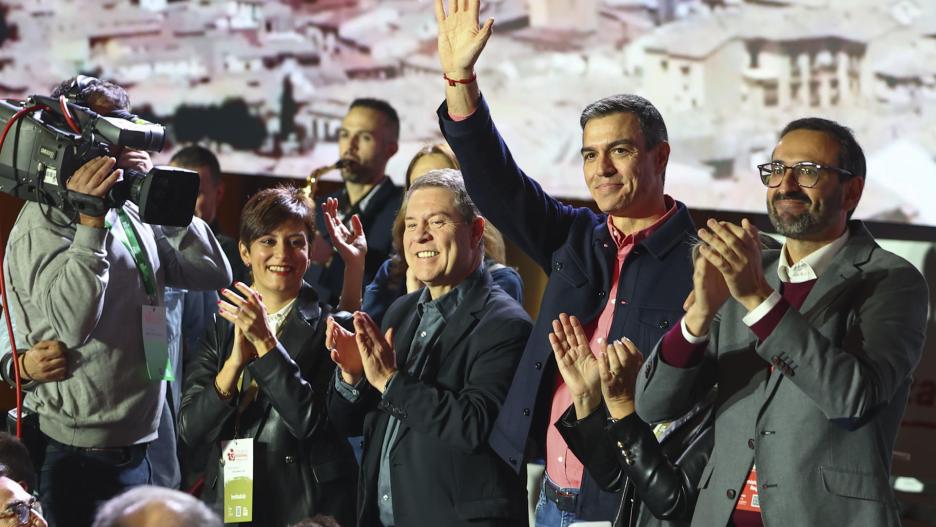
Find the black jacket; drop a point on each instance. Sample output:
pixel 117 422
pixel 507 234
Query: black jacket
pixel 442 470
pixel 575 249
pixel 302 466
pixel 659 480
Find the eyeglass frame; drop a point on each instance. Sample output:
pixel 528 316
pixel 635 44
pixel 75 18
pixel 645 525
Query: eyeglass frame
pixel 843 174
pixel 21 511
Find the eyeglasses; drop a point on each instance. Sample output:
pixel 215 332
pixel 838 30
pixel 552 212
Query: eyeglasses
pixel 805 173
pixel 21 512
pixel 433 226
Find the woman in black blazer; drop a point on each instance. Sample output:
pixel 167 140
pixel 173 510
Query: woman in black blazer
pixel 263 369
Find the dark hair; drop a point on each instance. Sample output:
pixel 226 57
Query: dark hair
pixel 188 509
pixel 441 149
pixel 14 456
pixel 272 207
pixel 90 91
pixel 383 107
pixel 651 122
pixel 850 156
pixel 197 156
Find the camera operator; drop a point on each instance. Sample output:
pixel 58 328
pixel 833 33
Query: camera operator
pixel 98 288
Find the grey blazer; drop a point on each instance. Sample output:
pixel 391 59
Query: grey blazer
pixel 821 424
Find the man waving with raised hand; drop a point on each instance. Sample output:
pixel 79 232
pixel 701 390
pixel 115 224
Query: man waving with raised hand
pixel 623 273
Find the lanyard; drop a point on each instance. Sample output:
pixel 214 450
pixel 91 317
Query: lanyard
pixel 139 256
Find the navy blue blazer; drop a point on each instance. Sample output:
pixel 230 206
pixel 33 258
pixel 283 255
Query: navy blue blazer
pixel 574 247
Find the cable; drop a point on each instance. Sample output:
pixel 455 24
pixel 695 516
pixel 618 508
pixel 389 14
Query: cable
pixel 3 291
pixel 9 328
pixel 16 117
pixel 63 104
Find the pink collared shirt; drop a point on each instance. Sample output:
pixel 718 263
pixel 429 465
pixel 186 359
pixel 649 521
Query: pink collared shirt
pixel 564 469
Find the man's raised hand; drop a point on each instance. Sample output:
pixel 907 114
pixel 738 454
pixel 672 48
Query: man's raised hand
pixel 461 39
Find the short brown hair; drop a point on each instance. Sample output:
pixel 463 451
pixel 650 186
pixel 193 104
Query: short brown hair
pixel 272 207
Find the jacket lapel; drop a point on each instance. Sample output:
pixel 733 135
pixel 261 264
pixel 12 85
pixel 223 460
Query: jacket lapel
pixel 292 337
pixel 845 268
pixel 462 320
pixel 774 375
pixel 404 330
pixel 837 278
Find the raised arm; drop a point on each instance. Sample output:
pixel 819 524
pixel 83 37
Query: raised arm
pixel 191 257
pixel 62 270
pixel 352 247
pixel 461 41
pixel 515 203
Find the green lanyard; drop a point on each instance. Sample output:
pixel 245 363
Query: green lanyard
pixel 139 256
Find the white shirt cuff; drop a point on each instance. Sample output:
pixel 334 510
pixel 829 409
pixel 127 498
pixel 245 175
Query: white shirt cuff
pixel 754 316
pixel 690 338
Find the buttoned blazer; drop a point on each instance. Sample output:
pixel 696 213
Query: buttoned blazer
pixel 302 465
pixel 574 247
pixel 442 470
pixel 821 423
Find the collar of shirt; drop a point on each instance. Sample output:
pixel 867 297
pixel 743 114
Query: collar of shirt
pixel 813 265
pixel 446 304
pixel 623 241
pixel 345 206
pixel 276 319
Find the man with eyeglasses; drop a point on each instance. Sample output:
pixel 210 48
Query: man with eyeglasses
pixel 812 348
pixel 426 388
pixel 17 507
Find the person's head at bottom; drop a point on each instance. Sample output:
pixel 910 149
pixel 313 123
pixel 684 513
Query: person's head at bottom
pixel 148 506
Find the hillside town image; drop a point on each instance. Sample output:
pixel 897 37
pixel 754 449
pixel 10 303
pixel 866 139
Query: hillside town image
pixel 266 82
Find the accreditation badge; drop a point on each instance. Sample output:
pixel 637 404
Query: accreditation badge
pixel 156 344
pixel 237 474
pixel 749 500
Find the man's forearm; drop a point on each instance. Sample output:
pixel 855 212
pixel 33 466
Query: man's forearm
pixel 461 97
pixel 192 257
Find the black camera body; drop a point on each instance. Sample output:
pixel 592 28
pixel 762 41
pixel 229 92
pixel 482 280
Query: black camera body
pixel 42 150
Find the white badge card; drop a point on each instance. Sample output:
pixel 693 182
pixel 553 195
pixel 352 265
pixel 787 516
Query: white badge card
pixel 156 344
pixel 237 473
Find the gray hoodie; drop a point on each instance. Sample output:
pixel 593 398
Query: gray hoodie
pixel 80 285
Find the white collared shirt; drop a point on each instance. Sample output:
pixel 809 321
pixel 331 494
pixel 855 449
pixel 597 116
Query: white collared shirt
pixel 810 267
pixel 276 319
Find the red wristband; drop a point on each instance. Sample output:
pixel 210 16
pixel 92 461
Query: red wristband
pixel 453 82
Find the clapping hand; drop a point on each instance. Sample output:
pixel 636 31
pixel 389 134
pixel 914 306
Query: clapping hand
pixel 377 355
pixel 735 250
pixel 618 365
pixel 577 364
pixel 350 243
pixel 344 352
pixel 249 316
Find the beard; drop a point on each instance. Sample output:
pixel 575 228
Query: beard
pixel 356 173
pixel 816 217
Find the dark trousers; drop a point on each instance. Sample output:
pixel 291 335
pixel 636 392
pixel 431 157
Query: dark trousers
pixel 74 482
